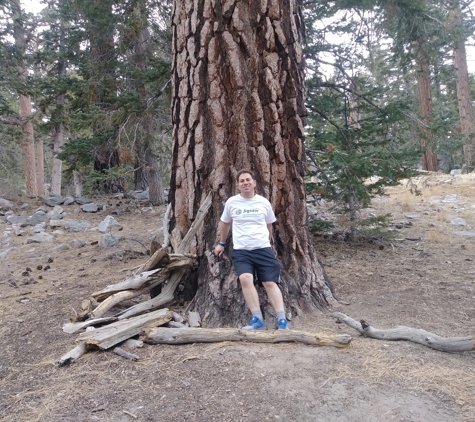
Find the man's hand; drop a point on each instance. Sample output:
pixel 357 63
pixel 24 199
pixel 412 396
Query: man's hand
pixel 218 250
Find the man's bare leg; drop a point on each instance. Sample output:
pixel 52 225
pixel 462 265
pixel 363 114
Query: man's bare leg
pixel 249 291
pixel 275 295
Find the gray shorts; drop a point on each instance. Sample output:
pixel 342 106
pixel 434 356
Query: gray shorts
pixel 258 262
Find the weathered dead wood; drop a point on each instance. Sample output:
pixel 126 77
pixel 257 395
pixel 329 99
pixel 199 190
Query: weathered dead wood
pixel 166 220
pixel 175 238
pixel 168 290
pixel 194 319
pixel 206 335
pixel 110 335
pixel 76 327
pixel 72 355
pixel 130 283
pixel 124 354
pixel 154 260
pixel 450 345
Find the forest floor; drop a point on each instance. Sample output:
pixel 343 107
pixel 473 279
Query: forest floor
pixel 425 278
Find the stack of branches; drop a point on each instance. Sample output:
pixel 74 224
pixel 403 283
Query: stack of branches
pixel 166 270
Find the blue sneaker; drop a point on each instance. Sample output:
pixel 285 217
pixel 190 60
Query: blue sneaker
pixel 255 324
pixel 282 324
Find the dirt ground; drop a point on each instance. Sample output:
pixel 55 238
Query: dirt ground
pixel 425 278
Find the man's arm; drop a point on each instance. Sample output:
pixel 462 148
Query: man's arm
pixel 223 235
pixel 270 228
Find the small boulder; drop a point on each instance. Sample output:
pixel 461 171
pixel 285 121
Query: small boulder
pixel 76 244
pixel 38 217
pixel 90 207
pixel 109 241
pixel 76 226
pixel 17 220
pixel 68 200
pixel 52 200
pixel 39 228
pixel 61 248
pixel 6 203
pixel 81 200
pixel 109 224
pixel 40 238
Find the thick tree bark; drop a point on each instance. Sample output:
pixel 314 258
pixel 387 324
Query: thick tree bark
pixel 429 159
pixel 238 102
pixel 28 142
pixel 464 97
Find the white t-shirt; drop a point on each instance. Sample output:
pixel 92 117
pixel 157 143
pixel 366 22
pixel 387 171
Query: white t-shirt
pixel 250 217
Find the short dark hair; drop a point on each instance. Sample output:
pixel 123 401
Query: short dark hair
pixel 238 175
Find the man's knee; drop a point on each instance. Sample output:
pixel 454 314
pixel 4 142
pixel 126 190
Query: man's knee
pixel 246 280
pixel 270 285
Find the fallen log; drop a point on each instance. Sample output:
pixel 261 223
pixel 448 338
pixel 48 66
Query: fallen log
pixel 124 354
pixel 442 344
pixel 130 283
pixel 109 335
pixel 72 355
pixel 76 327
pixel 207 335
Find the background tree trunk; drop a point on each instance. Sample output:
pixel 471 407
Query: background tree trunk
pixel 40 167
pixel 58 138
pixel 464 96
pixel 238 102
pixel 28 143
pixel 429 159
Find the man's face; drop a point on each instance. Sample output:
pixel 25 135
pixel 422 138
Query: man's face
pixel 246 184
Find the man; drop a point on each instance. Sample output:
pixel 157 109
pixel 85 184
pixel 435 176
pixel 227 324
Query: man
pixel 251 216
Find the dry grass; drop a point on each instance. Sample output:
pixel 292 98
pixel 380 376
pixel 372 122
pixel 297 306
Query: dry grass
pixel 411 371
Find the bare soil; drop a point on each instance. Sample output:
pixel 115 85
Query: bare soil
pixel 425 278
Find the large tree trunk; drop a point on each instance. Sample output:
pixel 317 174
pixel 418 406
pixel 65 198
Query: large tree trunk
pixel 238 102
pixel 429 159
pixel 464 97
pixel 28 142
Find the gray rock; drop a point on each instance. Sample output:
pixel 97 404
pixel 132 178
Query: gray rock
pixel 109 224
pixel 6 252
pixel 413 216
pixel 139 194
pixel 39 228
pixel 38 217
pixel 54 216
pixel 458 221
pixel 60 248
pixel 466 233
pixel 68 200
pixel 42 208
pixel 76 226
pixel 76 244
pixel 456 171
pixel 6 203
pixel 109 241
pixel 81 200
pixel 53 200
pixel 90 207
pixel 25 206
pixel 17 220
pixel 56 223
pixel 18 231
pixel 57 233
pixel 450 198
pixel 40 238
